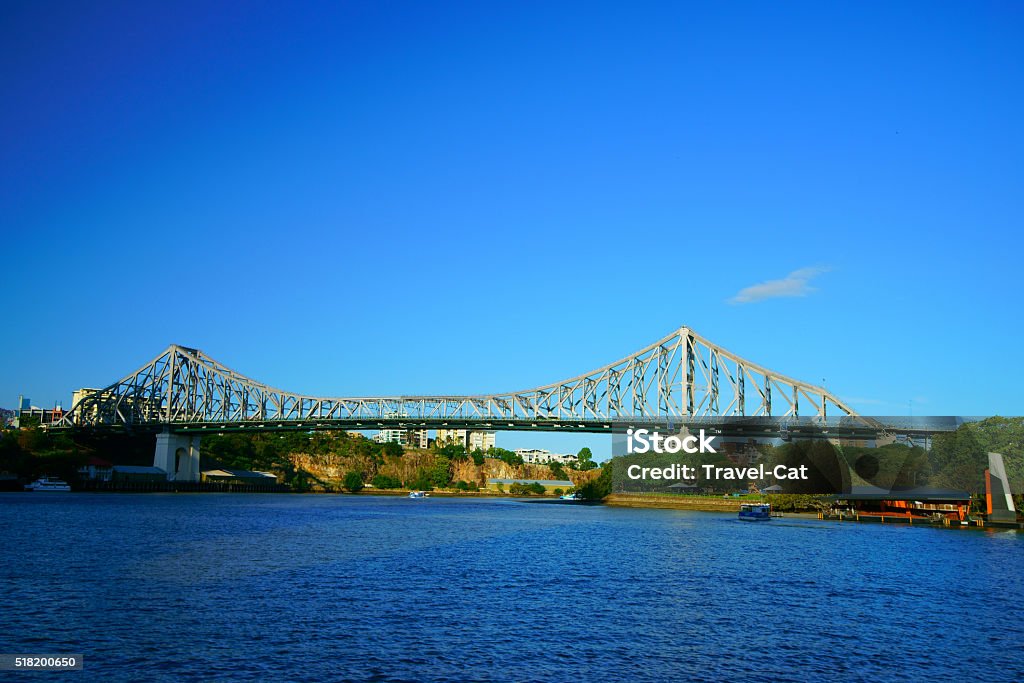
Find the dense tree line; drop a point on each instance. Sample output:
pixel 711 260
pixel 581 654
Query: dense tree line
pixel 34 452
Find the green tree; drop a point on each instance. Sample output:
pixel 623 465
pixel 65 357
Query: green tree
pixel 453 451
pixel 440 473
pixel 506 456
pixel 598 488
pixel 523 489
pixel 958 460
pixel 353 482
pixel 586 459
pixel 382 481
pixel 422 482
pixel 12 458
pixel 788 502
pixel 478 457
pixel 300 482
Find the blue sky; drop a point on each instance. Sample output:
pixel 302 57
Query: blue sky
pixel 379 198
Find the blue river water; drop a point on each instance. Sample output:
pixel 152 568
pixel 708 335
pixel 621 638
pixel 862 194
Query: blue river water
pixel 313 587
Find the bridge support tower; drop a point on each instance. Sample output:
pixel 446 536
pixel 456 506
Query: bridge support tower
pixel 177 455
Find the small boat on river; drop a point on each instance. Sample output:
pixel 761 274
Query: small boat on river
pixel 48 484
pixel 755 512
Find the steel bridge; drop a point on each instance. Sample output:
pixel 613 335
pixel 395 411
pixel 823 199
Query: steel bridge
pixel 682 378
pixel 682 381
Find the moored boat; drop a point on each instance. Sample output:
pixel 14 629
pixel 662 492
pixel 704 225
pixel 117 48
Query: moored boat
pixel 418 494
pixel 755 512
pixel 48 484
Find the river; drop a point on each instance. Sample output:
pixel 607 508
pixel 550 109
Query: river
pixel 326 587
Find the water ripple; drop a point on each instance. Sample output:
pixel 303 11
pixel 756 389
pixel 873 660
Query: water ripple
pixel 277 587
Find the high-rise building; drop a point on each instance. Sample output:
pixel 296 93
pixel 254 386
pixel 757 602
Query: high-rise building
pixel 416 438
pixel 398 436
pixel 393 435
pixel 480 439
pixel 449 437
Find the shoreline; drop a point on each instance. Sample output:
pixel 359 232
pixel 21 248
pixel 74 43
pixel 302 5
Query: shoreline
pixel 225 488
pixel 676 502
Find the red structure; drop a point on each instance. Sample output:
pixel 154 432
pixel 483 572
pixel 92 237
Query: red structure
pixel 930 504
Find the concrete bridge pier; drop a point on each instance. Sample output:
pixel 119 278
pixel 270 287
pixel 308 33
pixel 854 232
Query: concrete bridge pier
pixel 177 455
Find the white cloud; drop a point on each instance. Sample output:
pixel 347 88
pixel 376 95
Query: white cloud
pixel 794 284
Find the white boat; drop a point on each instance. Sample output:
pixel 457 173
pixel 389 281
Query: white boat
pixel 48 484
pixel 571 496
pixel 418 494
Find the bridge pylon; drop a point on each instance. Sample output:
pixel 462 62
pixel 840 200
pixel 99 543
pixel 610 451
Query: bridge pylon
pixel 177 455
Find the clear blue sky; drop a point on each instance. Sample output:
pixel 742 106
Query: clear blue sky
pixel 377 198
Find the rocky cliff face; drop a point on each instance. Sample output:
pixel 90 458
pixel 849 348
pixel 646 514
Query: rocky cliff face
pixel 331 469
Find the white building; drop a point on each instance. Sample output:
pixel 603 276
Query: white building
pixel 481 440
pixel 449 437
pixel 398 436
pixel 416 438
pixel 405 437
pixel 539 456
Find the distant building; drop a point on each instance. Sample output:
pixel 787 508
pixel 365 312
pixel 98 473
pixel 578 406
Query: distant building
pixel 28 415
pixel 872 501
pixel 414 438
pixel 449 437
pixel 402 436
pixel 83 414
pixel 481 440
pixel 142 408
pixel 238 477
pixel 96 469
pixel 417 438
pixel 398 436
pixel 539 456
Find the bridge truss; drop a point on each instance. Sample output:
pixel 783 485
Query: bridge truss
pixel 681 377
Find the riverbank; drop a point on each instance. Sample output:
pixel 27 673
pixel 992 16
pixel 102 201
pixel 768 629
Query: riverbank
pixel 223 487
pixel 669 501
pixel 482 493
pixel 673 502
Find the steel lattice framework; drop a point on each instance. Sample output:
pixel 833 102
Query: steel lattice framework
pixel 683 377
